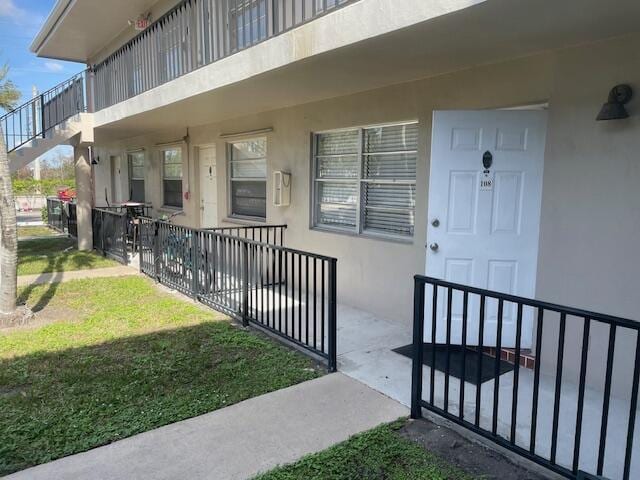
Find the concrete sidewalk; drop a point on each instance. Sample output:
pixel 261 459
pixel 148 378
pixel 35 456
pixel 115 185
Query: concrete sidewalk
pixel 236 442
pixel 56 277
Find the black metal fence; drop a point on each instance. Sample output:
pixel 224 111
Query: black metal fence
pixel 56 216
pixel 197 33
pixel 36 117
pixel 287 292
pixel 62 216
pixel 72 220
pixel 536 414
pixel 110 233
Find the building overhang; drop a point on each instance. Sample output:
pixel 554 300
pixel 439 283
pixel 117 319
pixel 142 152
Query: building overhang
pixel 76 30
pixel 327 59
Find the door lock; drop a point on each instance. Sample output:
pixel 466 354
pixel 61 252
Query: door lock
pixel 435 222
pixel 434 247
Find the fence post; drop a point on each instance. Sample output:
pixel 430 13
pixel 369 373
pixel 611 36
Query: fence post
pixel 155 249
pixel 140 228
pixel 104 252
pixel 245 283
pixel 42 112
pixel 333 315
pixel 125 253
pixel 195 264
pixel 417 352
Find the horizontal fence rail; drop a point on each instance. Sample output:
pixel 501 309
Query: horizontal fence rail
pixel 194 34
pixel 110 233
pixel 287 292
pixel 273 234
pixel 38 116
pixel 556 415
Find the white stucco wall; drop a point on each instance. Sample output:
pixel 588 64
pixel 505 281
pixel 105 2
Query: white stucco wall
pixel 590 221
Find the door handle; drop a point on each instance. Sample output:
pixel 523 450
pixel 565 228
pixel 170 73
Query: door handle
pixel 434 247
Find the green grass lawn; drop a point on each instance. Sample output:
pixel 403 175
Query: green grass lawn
pixel 119 357
pixel 380 453
pixel 36 231
pixel 56 254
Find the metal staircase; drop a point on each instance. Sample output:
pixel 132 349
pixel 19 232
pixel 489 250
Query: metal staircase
pixel 45 121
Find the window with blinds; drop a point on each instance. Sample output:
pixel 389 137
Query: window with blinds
pixel 136 176
pixel 365 180
pixel 248 178
pixel 172 177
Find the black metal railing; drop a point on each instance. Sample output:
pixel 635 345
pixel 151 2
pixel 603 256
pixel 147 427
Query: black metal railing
pixel 273 234
pixel 35 118
pixel 62 216
pixel 287 292
pixel 522 412
pixel 197 33
pixel 110 234
pixel 56 215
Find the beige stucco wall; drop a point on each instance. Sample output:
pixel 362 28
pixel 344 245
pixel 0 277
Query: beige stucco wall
pixel 373 274
pixel 590 221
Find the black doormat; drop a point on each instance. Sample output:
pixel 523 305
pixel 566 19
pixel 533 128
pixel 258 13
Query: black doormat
pixel 455 362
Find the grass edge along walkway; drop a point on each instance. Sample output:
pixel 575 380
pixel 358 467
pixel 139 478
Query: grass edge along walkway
pixel 126 358
pixel 380 453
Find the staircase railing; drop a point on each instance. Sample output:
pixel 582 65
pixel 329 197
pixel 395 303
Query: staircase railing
pixel 36 117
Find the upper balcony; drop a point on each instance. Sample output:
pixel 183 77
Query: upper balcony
pixel 197 47
pixel 203 61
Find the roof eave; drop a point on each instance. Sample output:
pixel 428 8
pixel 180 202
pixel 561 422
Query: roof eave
pixel 59 10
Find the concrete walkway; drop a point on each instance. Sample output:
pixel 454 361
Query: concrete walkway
pixel 236 442
pixel 56 277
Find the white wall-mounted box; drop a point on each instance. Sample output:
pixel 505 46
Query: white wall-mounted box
pixel 281 189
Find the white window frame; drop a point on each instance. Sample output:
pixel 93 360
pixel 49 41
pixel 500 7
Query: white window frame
pixel 230 179
pixel 162 177
pixel 358 230
pixel 129 155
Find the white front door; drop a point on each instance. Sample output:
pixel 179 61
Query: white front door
pixel 208 187
pixel 483 223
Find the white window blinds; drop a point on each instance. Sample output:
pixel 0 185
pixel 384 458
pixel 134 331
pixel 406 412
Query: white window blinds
pixel 365 179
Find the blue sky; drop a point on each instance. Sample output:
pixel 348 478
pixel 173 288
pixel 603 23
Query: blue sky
pixel 20 20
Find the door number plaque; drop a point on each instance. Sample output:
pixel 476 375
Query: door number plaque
pixel 486 181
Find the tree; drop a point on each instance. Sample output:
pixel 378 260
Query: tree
pixel 9 96
pixel 8 239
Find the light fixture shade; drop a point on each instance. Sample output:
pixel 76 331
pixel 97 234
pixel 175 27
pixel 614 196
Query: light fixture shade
pixel 612 111
pixel 614 108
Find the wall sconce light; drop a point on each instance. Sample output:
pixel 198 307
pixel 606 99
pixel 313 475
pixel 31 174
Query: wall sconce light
pixel 614 108
pixel 95 160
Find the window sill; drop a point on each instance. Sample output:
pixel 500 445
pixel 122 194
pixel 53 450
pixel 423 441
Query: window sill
pixel 173 210
pixel 366 235
pixel 244 220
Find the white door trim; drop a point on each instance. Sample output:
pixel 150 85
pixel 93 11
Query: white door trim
pixel 488 236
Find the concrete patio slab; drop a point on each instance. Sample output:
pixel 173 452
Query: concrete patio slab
pixel 365 353
pixel 239 441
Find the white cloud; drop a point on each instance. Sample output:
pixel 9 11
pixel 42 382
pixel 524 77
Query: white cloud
pixel 8 9
pixel 54 67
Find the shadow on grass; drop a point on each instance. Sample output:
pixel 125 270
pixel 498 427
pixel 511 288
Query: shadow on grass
pixel 33 256
pixel 55 404
pixel 54 264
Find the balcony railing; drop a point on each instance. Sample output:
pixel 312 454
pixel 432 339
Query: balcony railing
pixel 194 34
pixel 554 416
pixel 248 274
pixel 39 115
